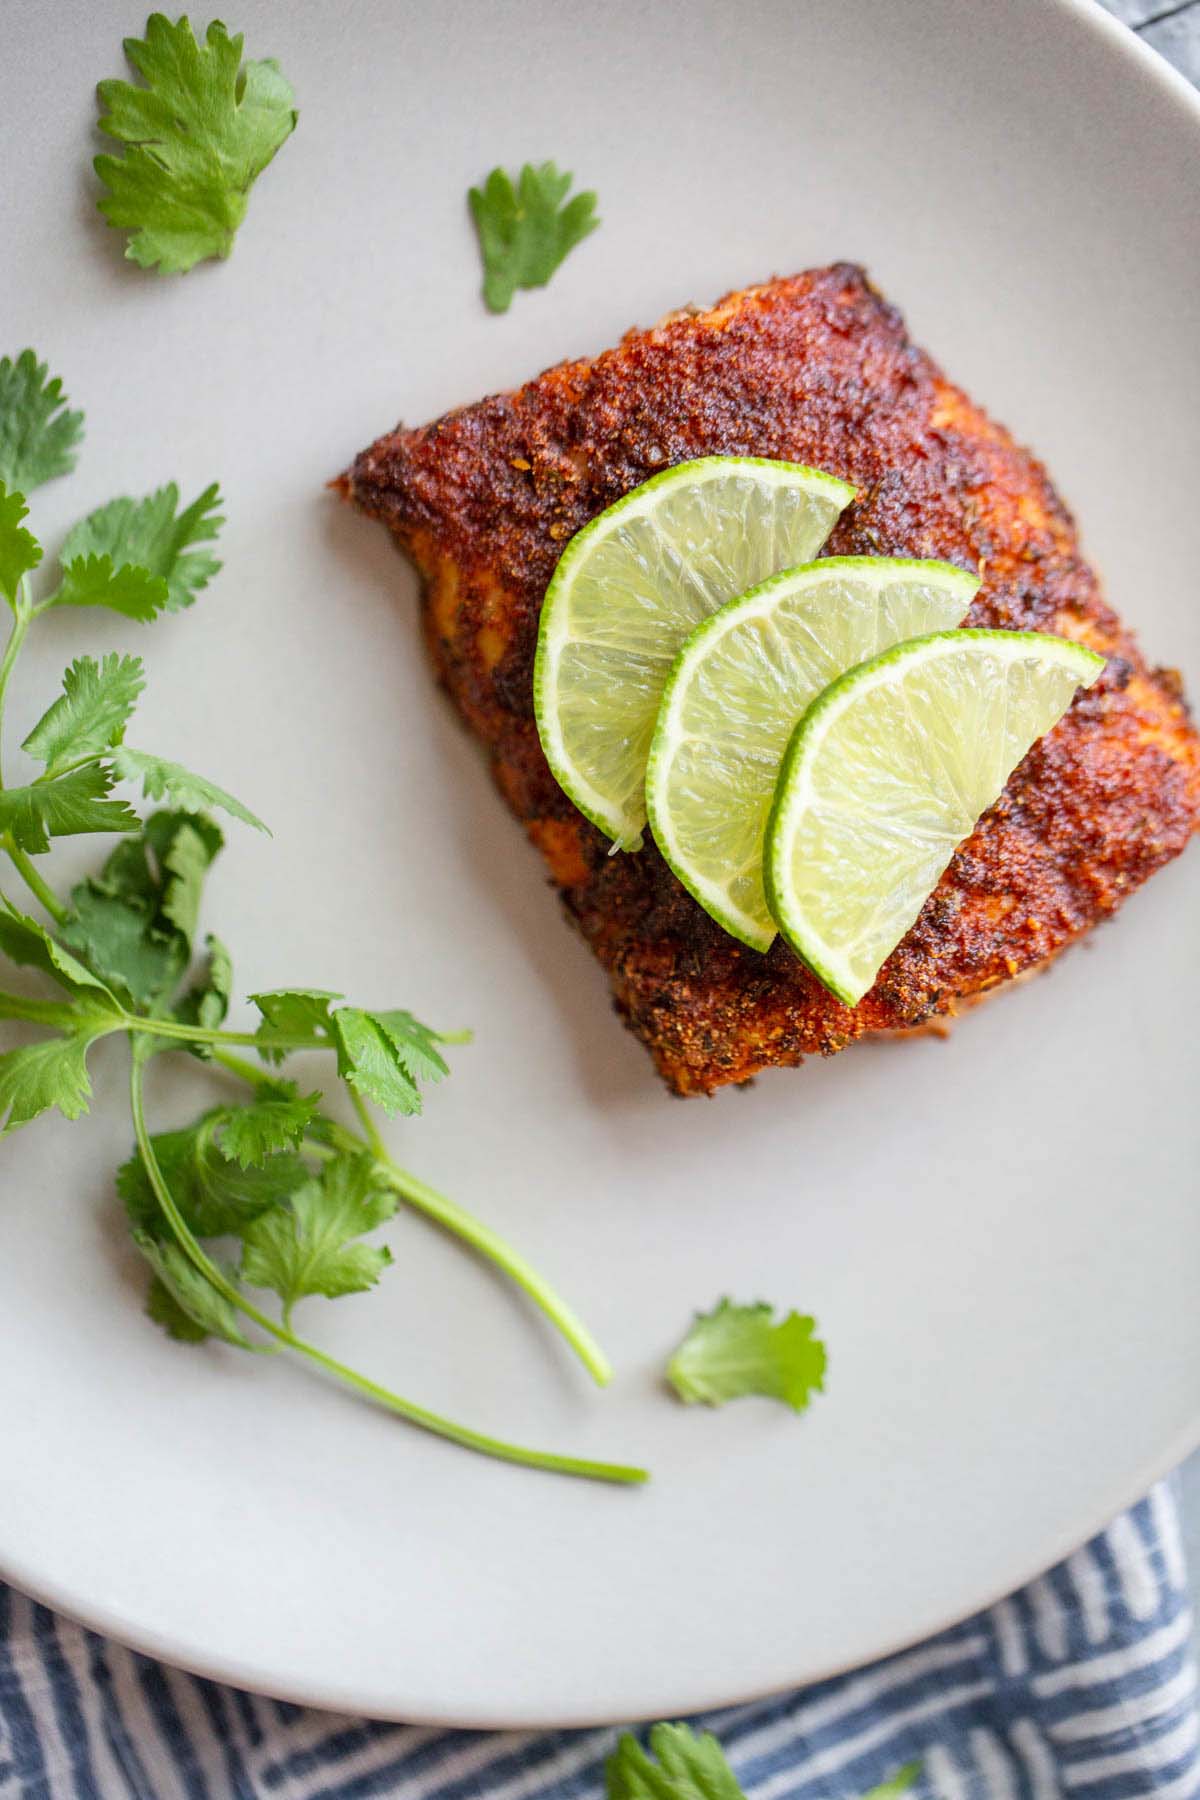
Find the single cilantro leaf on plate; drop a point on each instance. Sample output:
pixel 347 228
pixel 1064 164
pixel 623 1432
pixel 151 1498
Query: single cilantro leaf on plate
pixel 276 1119
pixel 66 807
pixel 525 230
pixel 690 1765
pixel 19 549
pixel 180 1292
pixel 163 780
pixel 198 134
pixel 292 1019
pixel 311 1245
pixel 150 546
pixel 90 714
pixel 26 942
pixel 126 589
pixel 217 1197
pixel 51 1072
pixel 38 436
pixel 736 1350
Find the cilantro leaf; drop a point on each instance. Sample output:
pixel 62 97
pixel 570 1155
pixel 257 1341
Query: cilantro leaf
pixel 171 840
pixel 185 861
pixel 207 1000
pixel 37 436
pixel 216 1196
pixel 26 942
pixel 292 1019
pixel 91 712
pixel 162 780
pixel 382 1054
pixel 276 1120
pixel 691 1766
pixel 120 939
pixel 148 547
pixel 896 1784
pixel 416 1044
pixel 525 231
pixel 737 1350
pixel 97 581
pixel 165 1310
pixel 200 132
pixel 310 1245
pixel 181 1293
pixel 66 807
pixel 19 549
pixel 135 920
pixel 52 1072
pixel 368 1059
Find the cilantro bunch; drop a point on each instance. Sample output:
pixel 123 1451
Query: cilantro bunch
pixel 267 1201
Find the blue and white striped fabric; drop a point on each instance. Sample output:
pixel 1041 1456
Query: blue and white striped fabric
pixel 1080 1687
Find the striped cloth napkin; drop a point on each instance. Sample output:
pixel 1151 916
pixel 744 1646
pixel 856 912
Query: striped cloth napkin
pixel 1081 1686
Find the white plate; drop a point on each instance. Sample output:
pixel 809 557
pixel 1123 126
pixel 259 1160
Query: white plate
pixel 999 1234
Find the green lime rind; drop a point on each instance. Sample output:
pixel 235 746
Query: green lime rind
pixel 940 596
pixel 794 793
pixel 621 815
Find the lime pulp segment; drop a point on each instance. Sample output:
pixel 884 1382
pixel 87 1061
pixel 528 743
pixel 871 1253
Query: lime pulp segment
pixel 888 772
pixel 742 681
pixel 632 585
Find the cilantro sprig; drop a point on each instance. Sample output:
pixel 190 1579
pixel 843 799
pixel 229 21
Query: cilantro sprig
pixel 261 1204
pixel 197 136
pixel 527 227
pixel 681 1764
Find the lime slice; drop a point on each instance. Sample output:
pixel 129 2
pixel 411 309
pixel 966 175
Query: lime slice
pixel 630 587
pixel 888 772
pixel 742 680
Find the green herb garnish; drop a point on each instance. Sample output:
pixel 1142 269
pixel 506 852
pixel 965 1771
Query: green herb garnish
pixel 295 1190
pixel 525 231
pixel 691 1765
pixel 198 135
pixel 737 1350
pixel 38 436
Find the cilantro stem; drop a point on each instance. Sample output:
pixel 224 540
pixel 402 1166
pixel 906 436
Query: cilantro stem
pixel 16 637
pixel 38 1012
pixel 25 612
pixel 461 1224
pixel 34 882
pixel 242 1067
pixel 370 1130
pixel 57 771
pixel 406 1409
pixel 198 1034
pixel 473 1231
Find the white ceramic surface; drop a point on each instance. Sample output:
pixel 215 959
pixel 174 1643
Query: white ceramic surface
pixel 998 1234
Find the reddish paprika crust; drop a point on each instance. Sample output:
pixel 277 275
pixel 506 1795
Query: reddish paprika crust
pixel 815 369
